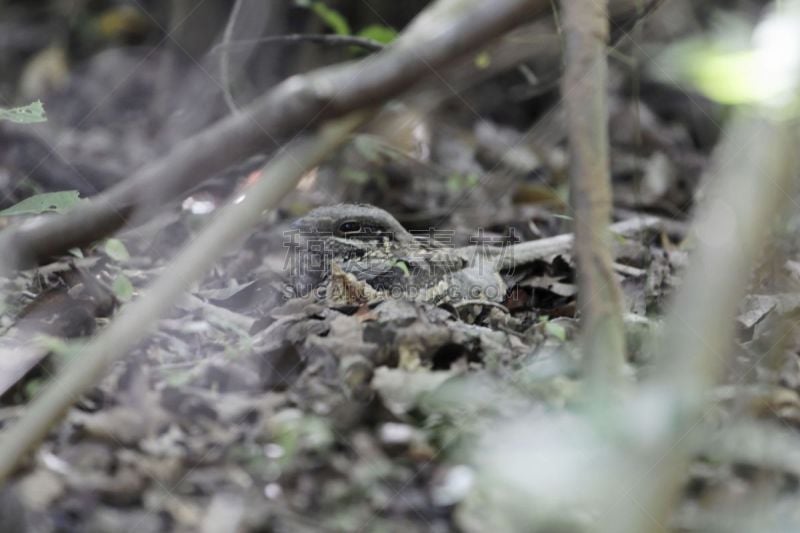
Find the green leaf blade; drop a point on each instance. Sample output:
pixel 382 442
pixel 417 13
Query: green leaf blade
pixel 49 202
pixel 378 33
pixel 332 18
pixel 28 114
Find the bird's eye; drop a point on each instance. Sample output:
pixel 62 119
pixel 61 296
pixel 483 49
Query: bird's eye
pixel 350 226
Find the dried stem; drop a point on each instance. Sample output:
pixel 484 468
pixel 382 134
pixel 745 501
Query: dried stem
pixel 524 253
pixel 296 38
pixel 225 58
pixel 584 90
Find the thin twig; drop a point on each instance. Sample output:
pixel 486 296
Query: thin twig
pixel 225 58
pixel 584 91
pixel 525 253
pixel 296 38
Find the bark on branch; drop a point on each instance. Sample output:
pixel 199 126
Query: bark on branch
pixel 584 90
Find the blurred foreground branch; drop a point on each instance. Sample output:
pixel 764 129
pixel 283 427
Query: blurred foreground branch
pixel 227 229
pixel 732 228
pixel 754 170
pixel 624 468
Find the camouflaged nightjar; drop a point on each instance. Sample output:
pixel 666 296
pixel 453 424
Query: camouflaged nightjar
pixel 357 253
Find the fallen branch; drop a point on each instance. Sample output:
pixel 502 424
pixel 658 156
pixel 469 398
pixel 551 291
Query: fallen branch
pixel 753 168
pixel 524 253
pixel 435 38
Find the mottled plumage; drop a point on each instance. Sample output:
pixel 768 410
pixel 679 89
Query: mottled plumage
pixel 362 244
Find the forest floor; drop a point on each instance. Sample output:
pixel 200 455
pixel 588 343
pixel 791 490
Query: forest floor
pixel 249 410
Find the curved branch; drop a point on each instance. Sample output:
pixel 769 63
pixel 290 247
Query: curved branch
pixel 226 229
pixel 444 32
pixel 225 59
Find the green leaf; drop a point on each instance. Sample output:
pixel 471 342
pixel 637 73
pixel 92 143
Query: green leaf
pixel 33 387
pixel 555 330
pixel 358 177
pixel 379 33
pixel 66 350
pixel 455 183
pixel 332 18
pixel 116 250
pixel 123 288
pixel 49 202
pixel 741 65
pixel 53 344
pixel 730 77
pixel 483 60
pixel 27 114
pixel 402 265
pixel 294 432
pixel 369 147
